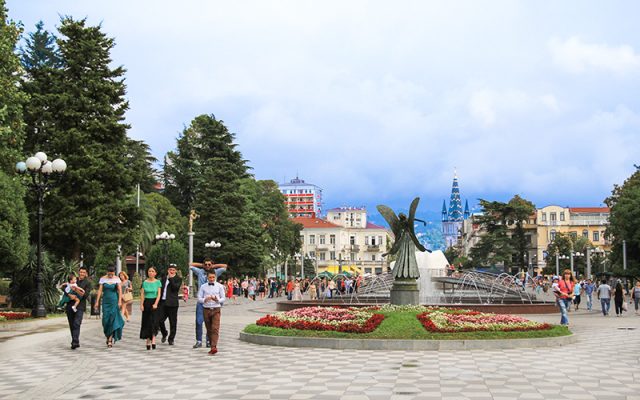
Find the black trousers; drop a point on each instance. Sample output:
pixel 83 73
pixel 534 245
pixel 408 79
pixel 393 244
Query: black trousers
pixel 75 320
pixel 172 314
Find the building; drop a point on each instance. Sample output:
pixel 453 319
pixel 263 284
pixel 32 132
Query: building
pixel 542 227
pixel 303 200
pixel 588 222
pixel 345 241
pixel 454 216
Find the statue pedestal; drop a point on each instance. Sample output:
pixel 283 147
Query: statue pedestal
pixel 405 291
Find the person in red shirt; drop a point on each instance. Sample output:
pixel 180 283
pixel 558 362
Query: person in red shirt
pixel 289 289
pixel 565 295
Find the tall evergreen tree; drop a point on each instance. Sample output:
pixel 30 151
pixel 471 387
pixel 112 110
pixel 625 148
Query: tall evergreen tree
pixel 41 60
pixel 14 239
pixel 505 238
pixel 624 224
pixel 94 205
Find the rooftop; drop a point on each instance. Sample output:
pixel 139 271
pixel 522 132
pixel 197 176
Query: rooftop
pixel 341 209
pixel 371 225
pixel 317 223
pixel 590 210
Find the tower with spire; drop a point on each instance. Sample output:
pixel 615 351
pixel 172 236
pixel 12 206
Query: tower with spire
pixel 454 216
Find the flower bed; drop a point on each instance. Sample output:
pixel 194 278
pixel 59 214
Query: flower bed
pixel 435 320
pixel 349 320
pixel 13 315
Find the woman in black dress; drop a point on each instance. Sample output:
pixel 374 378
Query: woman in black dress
pixel 618 296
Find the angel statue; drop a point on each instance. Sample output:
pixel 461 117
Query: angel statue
pixel 406 241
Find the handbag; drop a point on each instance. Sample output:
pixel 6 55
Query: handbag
pixel 127 297
pixel 624 306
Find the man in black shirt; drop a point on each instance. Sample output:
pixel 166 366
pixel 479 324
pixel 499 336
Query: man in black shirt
pixel 168 307
pixel 75 317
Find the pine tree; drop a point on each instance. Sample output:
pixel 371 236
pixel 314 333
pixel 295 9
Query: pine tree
pixel 94 205
pixel 14 239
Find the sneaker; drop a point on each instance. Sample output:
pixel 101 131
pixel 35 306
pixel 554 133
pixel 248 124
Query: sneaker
pixel 213 351
pixel 197 345
pixel 208 344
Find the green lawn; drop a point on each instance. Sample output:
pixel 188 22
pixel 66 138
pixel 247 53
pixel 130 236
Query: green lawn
pixel 405 325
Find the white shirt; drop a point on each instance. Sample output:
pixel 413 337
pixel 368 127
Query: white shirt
pixel 164 292
pixel 209 289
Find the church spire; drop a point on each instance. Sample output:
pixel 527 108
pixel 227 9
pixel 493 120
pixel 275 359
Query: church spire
pixel 444 211
pixel 455 203
pixel 466 209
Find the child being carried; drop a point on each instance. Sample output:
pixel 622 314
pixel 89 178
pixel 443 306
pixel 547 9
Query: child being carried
pixel 71 293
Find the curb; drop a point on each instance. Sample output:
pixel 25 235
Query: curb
pixel 419 345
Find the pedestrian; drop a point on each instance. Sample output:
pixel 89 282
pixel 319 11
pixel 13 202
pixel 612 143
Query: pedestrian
pixel 201 273
pixel 251 289
pixel 564 295
pixel 230 288
pixel 604 295
pixel 619 298
pixel 289 289
pixel 313 291
pixel 262 288
pixel 211 296
pixel 273 285
pixel 149 299
pixel 577 289
pixel 168 306
pixel 111 293
pixel 588 289
pixel 245 288
pixel 74 317
pixel 127 295
pixel 635 295
pixel 297 294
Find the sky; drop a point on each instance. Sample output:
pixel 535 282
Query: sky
pixel 379 102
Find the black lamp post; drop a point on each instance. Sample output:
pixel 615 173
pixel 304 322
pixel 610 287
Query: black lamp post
pixel 165 238
pixel 42 173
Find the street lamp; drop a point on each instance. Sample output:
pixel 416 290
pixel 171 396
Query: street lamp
pixel 574 254
pixel 299 256
pixel 212 245
pixel 558 258
pixel 165 238
pixel 42 172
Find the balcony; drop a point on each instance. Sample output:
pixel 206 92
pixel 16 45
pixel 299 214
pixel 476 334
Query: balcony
pixel 354 248
pixel 373 248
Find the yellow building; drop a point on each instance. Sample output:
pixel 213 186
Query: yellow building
pixel 589 222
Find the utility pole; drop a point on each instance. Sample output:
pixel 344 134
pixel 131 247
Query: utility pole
pixel 624 255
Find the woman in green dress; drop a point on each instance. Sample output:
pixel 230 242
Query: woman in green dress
pixel 110 292
pixel 149 298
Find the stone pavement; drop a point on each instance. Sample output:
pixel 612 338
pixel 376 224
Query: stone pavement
pixel 604 364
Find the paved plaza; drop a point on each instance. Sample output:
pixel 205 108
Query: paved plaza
pixel 604 364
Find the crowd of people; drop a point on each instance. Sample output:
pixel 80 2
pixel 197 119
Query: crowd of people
pixel 570 291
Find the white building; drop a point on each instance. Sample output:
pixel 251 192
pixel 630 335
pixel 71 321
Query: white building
pixel 345 241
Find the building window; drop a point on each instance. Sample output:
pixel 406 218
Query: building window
pixel 378 270
pixel 332 240
pixel 312 254
pixel 379 240
pixel 352 240
pixel 585 233
pixel 332 255
pixel 552 217
pixel 352 256
pixel 322 256
pixel 553 235
pixel 544 217
pixel 596 236
pixel 562 216
pixel 322 239
pixel 367 270
pixel 312 239
pixel 366 240
pixel 373 257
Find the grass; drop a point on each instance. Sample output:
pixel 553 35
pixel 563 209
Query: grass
pixel 405 325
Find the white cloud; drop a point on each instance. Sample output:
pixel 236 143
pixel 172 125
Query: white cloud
pixel 487 105
pixel 575 55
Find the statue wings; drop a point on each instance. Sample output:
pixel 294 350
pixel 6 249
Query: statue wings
pixel 412 217
pixel 391 218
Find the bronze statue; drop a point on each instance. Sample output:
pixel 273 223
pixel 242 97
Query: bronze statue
pixel 406 242
pixel 192 217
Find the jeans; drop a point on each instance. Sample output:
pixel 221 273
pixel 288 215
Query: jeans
pixel 636 300
pixel 589 302
pixel 564 314
pixel 199 321
pixel 605 304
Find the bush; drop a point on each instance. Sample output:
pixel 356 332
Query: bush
pixel 136 283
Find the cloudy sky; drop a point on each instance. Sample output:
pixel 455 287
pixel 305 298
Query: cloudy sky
pixel 380 101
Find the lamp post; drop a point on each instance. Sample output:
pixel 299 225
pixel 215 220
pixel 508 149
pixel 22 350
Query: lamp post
pixel 600 253
pixel 165 238
pixel 212 245
pixel 298 256
pixel 42 173
pixel 574 254
pixel 560 257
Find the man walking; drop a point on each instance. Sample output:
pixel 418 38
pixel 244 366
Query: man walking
pixel 604 294
pixel 168 307
pixel 74 317
pixel 201 274
pixel 211 296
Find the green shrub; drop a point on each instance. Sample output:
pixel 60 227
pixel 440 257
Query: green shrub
pixel 4 287
pixel 136 283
